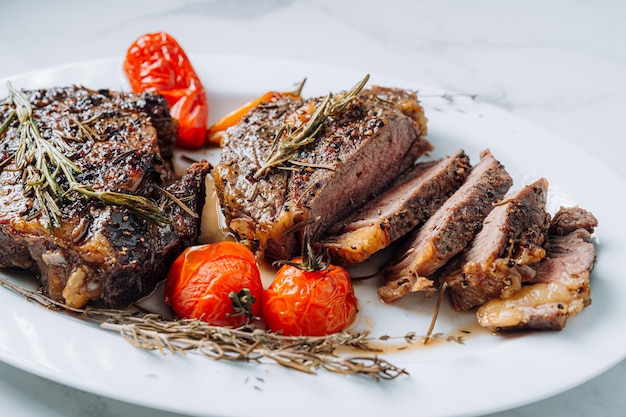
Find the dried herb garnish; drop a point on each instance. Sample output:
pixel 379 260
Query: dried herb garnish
pixel 42 163
pixel 288 140
pixel 433 321
pixel 306 354
pixel 170 198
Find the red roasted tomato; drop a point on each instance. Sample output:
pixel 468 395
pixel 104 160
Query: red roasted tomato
pixel 155 61
pixel 218 283
pixel 315 303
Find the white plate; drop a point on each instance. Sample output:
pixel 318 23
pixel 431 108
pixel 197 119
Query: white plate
pixel 486 374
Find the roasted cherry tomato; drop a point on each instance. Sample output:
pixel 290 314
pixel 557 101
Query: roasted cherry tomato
pixel 155 61
pixel 218 283
pixel 315 303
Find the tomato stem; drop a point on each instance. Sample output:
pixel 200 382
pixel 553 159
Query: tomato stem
pixel 309 261
pixel 242 303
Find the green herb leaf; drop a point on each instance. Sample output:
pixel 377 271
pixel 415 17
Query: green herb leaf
pixel 43 163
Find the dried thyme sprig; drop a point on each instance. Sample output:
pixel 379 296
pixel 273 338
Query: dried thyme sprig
pixel 42 162
pixel 306 354
pixel 288 141
pixel 433 320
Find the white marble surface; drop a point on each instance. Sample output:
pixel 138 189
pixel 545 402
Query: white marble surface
pixel 560 64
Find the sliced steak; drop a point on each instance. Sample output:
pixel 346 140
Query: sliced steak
pixel 97 251
pixel 501 256
pixel 447 232
pixel 569 219
pixel 355 154
pixel 560 287
pixel 412 199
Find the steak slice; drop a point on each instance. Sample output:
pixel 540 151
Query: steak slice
pixel 355 154
pixel 447 232
pixel 412 199
pixel 569 219
pixel 560 288
pixel 96 251
pixel 501 256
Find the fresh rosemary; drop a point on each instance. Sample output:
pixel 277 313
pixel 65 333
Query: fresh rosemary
pixel 288 141
pixel 42 163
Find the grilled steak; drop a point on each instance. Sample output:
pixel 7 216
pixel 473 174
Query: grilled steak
pixel 501 256
pixel 413 198
pixel 93 249
pixel 560 287
pixel 447 232
pixel 569 219
pixel 355 154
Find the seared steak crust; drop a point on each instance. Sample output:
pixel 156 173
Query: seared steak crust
pixel 355 154
pixel 501 256
pixel 408 202
pixel 254 208
pixel 101 253
pixel 447 232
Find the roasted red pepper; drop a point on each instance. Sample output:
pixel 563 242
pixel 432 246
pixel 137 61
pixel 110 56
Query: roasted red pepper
pixel 217 129
pixel 155 61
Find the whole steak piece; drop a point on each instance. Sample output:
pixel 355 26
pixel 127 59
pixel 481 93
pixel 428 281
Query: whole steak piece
pixel 355 154
pixel 106 218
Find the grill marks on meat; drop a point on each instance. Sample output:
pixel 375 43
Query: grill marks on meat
pixel 102 253
pixel 560 288
pixel 501 256
pixel 447 232
pixel 356 154
pixel 410 200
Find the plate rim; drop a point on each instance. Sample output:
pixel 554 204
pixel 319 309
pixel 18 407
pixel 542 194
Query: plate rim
pixel 39 368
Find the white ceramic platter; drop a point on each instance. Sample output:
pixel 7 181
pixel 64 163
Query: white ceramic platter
pixel 485 374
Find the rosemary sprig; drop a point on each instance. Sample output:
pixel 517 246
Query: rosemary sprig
pixel 144 207
pixel 288 141
pixel 306 354
pixel 178 201
pixel 5 125
pixel 42 163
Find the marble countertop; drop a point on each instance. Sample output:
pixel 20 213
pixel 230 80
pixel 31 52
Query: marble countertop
pixel 560 64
